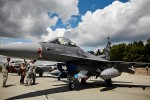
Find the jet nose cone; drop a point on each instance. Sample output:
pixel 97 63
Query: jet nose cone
pixel 28 50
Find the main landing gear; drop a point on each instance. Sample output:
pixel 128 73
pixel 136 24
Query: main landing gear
pixel 72 80
pixel 108 82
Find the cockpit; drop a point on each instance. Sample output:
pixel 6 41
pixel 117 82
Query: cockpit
pixel 62 41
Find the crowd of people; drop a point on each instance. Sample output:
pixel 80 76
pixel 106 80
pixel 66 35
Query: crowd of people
pixel 28 73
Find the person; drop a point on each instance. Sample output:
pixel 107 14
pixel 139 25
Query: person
pixel 34 75
pixel 30 75
pixel 5 69
pixel 147 69
pixel 26 63
pixel 23 73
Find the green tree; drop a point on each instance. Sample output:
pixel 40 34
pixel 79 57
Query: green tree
pixel 147 51
pixel 117 52
pixel 134 52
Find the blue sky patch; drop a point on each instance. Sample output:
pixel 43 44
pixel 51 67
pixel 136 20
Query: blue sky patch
pixel 93 5
pixel 15 40
pixel 59 24
pixel 52 15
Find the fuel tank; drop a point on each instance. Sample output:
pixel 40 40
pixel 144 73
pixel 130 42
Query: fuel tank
pixel 110 73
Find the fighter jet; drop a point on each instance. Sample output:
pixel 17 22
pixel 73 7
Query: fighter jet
pixel 80 64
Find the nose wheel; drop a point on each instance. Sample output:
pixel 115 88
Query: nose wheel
pixel 71 81
pixel 71 86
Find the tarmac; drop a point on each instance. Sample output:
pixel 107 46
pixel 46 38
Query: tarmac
pixel 125 87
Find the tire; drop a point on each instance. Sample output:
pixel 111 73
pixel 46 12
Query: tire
pixel 71 86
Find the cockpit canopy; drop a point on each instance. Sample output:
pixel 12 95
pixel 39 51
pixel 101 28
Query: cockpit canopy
pixel 62 41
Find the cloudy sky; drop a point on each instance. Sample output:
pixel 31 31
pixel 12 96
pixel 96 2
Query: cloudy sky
pixel 87 22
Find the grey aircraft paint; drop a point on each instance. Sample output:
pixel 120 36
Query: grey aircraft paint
pixel 26 50
pixel 62 49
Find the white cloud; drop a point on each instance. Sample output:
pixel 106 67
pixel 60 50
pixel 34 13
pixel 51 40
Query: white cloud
pixel 29 18
pixel 123 22
pixel 65 8
pixel 52 34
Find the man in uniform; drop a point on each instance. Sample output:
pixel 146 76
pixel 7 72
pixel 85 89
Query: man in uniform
pixel 5 68
pixel 30 73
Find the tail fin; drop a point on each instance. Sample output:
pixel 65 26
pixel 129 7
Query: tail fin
pixel 107 50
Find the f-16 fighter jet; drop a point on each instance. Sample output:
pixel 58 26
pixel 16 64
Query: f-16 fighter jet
pixel 80 64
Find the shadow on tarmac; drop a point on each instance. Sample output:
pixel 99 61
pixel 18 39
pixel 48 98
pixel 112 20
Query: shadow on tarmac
pixel 6 86
pixel 78 87
pixel 123 85
pixel 46 77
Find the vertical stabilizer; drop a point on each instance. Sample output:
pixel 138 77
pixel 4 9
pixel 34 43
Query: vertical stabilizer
pixel 107 49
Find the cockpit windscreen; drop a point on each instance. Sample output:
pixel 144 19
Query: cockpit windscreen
pixel 62 41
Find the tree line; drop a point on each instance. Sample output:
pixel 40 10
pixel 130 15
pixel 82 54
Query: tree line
pixel 137 51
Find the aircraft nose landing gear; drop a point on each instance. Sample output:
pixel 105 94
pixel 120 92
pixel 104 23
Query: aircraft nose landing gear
pixel 71 82
pixel 71 86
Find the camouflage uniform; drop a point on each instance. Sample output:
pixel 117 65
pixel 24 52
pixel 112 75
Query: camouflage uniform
pixel 5 68
pixel 29 74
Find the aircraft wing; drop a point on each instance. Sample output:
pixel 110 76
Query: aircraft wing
pixel 98 59
pixel 88 57
pixel 121 65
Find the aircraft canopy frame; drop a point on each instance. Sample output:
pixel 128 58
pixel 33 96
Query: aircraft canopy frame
pixel 63 41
